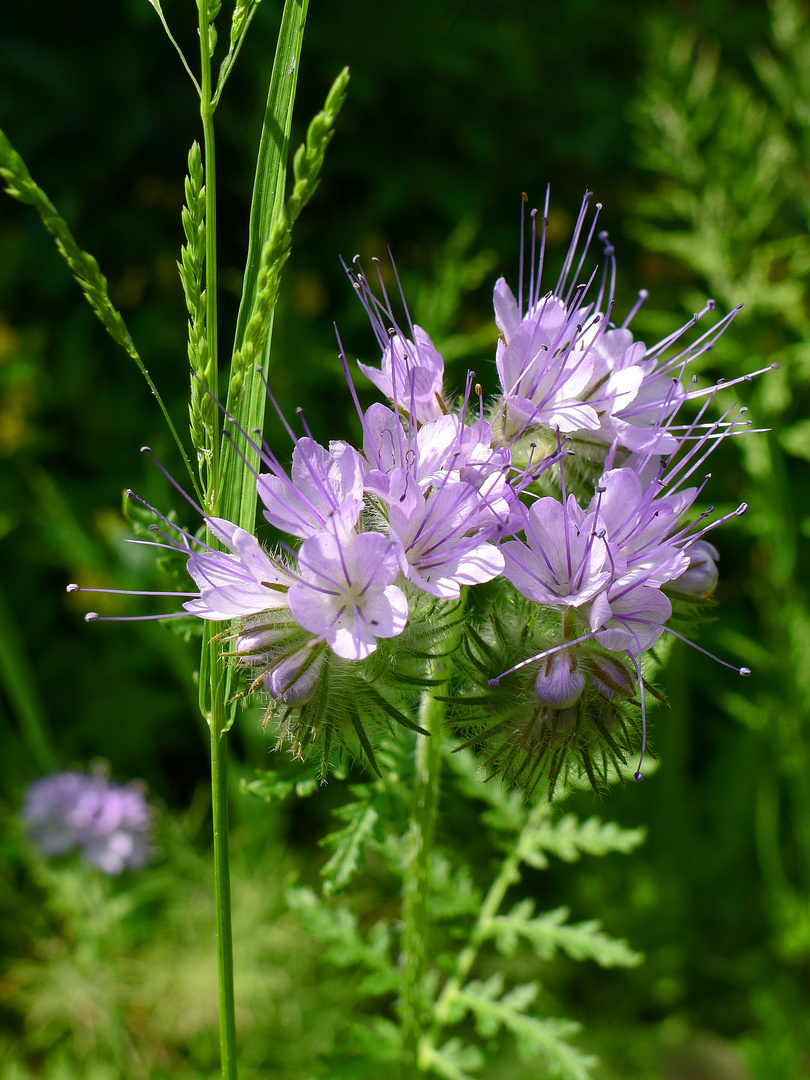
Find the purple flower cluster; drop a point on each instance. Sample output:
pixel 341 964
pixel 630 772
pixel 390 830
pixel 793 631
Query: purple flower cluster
pixel 108 823
pixel 421 505
pixel 564 366
pixel 572 488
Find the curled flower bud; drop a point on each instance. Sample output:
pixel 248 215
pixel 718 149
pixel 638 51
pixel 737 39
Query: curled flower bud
pixel 290 661
pixel 699 580
pixel 611 678
pixel 559 681
pixel 253 646
pixel 584 711
pixel 295 677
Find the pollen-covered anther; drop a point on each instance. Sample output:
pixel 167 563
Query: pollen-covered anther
pixel 71 588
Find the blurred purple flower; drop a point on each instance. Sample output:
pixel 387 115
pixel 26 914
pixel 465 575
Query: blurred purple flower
pixel 109 823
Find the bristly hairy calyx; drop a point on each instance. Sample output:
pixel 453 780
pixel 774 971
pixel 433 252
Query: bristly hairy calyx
pixel 576 710
pixel 335 706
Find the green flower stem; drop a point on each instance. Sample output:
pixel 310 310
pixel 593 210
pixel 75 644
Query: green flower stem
pixel 415 1002
pixel 213 677
pixel 416 888
pixel 508 875
pixel 218 724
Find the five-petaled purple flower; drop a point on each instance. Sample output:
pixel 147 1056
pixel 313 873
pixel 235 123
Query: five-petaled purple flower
pixel 346 593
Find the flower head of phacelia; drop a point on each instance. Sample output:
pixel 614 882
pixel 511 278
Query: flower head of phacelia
pixel 568 500
pixel 566 367
pixel 596 584
pixel 108 823
pixel 305 619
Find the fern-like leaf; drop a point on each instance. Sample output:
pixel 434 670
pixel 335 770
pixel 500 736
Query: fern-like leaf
pixel 361 817
pixel 569 838
pixel 551 931
pixel 452 1061
pixel 494 1010
pixel 347 947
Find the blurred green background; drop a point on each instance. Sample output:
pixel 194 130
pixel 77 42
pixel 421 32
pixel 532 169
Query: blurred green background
pixel 691 123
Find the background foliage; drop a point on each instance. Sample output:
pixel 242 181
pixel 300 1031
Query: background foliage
pixel 692 125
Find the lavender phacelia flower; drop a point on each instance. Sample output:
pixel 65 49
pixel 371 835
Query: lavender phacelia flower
pixel 346 593
pixel 566 367
pixel 593 583
pixel 411 373
pixel 108 823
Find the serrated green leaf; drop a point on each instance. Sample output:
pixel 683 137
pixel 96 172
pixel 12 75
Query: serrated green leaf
pixel 273 785
pixel 348 844
pixel 270 787
pixel 453 892
pixel 305 788
pixel 546 1037
pixel 551 931
pixel 453 1060
pixel 569 838
pixel 347 947
pixel 380 1042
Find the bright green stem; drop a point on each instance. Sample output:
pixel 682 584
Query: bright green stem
pixel 218 724
pixel 508 875
pixel 416 888
pixel 212 671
